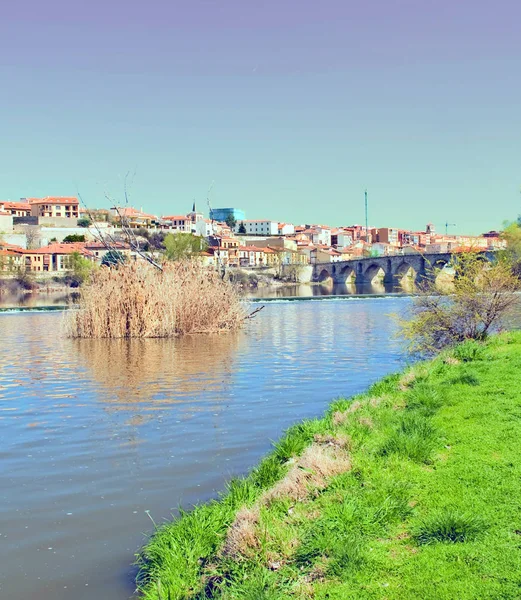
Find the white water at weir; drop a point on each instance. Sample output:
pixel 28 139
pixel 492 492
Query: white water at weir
pixel 98 434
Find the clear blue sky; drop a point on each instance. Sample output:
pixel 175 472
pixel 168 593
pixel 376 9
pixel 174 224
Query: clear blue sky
pixel 291 108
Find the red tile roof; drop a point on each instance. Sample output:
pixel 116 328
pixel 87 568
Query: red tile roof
pixel 54 200
pixel 57 248
pixel 16 205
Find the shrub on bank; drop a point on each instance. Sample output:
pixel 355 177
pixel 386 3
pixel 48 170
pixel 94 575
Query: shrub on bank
pixel 475 305
pixel 136 301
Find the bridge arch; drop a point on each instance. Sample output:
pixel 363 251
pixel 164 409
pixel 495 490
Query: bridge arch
pixel 405 274
pixel 374 271
pixel 346 275
pixel 324 276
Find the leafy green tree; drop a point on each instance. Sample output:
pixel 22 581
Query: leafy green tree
pixel 242 229
pixel 84 222
pixel 179 246
pixel 80 267
pixel 512 236
pixel 231 221
pixel 112 258
pixel 74 237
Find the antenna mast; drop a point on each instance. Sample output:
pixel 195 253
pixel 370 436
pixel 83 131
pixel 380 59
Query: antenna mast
pixel 366 219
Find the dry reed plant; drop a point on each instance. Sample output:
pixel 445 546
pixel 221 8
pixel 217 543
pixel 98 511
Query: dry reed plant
pixel 138 301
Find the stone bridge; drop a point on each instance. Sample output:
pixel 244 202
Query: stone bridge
pixel 362 271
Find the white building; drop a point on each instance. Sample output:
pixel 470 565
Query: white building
pixel 203 227
pixel 344 240
pixel 260 227
pixel 321 236
pixel 286 229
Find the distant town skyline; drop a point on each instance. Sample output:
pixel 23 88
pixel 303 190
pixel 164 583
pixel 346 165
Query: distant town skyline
pixel 292 109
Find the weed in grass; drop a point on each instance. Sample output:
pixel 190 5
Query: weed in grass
pixel 394 506
pixel 268 472
pixel 414 438
pixel 469 351
pixel 240 492
pixel 387 385
pixel 332 542
pixel 465 378
pixel 296 439
pixel 425 397
pixel 448 525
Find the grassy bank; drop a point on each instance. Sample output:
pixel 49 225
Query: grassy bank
pixel 412 490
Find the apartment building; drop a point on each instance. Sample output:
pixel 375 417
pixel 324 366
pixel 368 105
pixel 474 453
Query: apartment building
pixel 254 227
pixel 55 207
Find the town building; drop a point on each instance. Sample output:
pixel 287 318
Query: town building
pixel 16 209
pixel 286 229
pixel 132 218
pixel 55 207
pixel 386 235
pixel 54 257
pixel 179 223
pixel 258 227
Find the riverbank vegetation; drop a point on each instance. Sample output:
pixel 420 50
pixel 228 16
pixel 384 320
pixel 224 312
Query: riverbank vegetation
pixel 476 301
pixel 408 491
pixel 136 300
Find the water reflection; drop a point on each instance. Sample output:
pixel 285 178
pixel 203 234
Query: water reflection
pixel 158 371
pixel 37 299
pixel 328 288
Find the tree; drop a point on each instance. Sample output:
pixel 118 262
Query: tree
pixel 512 236
pixel 242 229
pixel 480 297
pixel 74 237
pixel 231 221
pixel 32 236
pixel 84 222
pixel 112 258
pixel 80 267
pixel 179 246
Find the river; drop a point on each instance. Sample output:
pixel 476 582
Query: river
pixel 99 437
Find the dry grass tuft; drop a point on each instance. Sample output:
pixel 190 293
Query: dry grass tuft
pixel 354 406
pixel 450 360
pixel 242 538
pixel 310 472
pixel 406 381
pixel 339 441
pixel 138 301
pixel 318 571
pixel 339 418
pixel 366 422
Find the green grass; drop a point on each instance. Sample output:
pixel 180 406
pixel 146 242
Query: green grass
pixel 430 508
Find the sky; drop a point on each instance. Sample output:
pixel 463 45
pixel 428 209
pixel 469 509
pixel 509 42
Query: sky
pixel 288 109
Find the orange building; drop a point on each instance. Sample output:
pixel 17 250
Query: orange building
pixel 55 207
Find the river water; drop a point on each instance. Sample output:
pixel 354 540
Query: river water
pixel 97 436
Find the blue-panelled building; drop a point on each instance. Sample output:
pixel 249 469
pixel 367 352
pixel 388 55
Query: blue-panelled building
pixel 221 214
